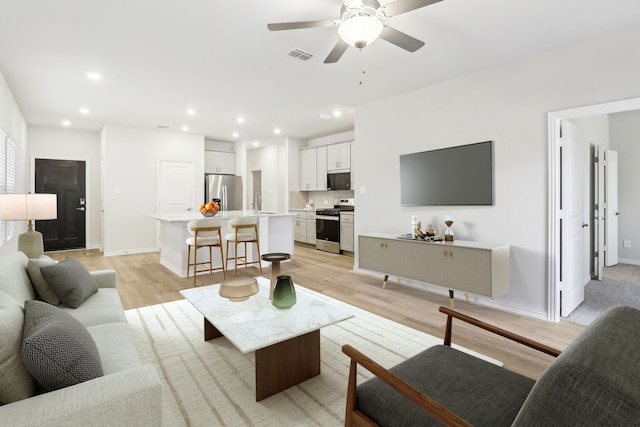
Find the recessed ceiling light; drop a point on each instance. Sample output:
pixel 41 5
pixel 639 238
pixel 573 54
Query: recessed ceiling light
pixel 66 123
pixel 235 134
pixel 240 120
pixel 185 128
pixel 93 75
pixel 256 143
pixel 324 117
pixel 337 113
pixel 191 111
pixel 84 110
pixel 277 131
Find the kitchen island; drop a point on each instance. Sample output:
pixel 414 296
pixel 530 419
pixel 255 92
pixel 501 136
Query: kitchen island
pixel 275 233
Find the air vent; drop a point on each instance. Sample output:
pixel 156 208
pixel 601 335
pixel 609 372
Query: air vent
pixel 163 127
pixel 300 54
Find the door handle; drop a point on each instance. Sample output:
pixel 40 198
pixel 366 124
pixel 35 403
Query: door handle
pixel 82 209
pixel 584 225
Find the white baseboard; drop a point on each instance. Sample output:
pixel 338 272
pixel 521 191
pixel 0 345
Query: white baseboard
pixel 489 302
pixel 129 252
pixel 628 261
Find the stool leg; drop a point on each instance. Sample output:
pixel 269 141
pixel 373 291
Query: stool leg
pixel 188 259
pixel 224 268
pixel 195 263
pixel 210 261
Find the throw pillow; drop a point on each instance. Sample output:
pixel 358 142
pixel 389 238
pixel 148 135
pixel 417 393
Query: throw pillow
pixel 57 349
pixel 70 281
pixel 42 288
pixel 16 382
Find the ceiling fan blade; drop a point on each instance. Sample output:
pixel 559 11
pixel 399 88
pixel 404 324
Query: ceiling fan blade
pixel 352 4
pixel 400 39
pixel 303 24
pixel 399 7
pixel 336 52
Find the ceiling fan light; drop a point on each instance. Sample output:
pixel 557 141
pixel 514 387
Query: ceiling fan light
pixel 360 31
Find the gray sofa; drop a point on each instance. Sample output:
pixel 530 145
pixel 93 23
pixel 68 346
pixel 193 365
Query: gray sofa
pixel 595 381
pixel 128 394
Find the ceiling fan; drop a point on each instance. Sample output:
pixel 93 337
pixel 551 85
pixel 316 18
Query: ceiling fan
pixel 360 24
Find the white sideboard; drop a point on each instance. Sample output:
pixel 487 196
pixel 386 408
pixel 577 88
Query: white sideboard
pixel 474 267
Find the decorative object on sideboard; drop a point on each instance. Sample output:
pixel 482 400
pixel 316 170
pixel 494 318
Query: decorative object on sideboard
pixel 29 207
pixel 448 233
pixel 284 294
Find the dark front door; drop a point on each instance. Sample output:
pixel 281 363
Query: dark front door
pixel 66 178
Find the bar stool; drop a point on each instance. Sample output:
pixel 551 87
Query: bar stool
pixel 204 233
pixel 245 230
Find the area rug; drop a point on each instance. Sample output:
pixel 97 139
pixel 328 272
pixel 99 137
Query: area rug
pixel 212 384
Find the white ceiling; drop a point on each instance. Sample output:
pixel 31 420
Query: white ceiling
pixel 160 57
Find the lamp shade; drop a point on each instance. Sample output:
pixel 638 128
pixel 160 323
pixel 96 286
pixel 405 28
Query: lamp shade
pixel 360 31
pixel 22 207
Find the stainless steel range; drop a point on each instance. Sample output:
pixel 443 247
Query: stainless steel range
pixel 328 225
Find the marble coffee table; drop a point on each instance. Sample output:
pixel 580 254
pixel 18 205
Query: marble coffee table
pixel 286 342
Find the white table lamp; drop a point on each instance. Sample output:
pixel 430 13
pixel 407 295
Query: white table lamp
pixel 29 207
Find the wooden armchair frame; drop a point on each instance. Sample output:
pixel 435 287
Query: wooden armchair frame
pixel 354 417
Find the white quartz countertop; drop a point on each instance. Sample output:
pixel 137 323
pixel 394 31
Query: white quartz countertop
pixel 186 217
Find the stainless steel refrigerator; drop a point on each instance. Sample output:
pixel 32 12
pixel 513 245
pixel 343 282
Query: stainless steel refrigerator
pixel 226 188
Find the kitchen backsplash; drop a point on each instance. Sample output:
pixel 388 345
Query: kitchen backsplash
pixel 299 199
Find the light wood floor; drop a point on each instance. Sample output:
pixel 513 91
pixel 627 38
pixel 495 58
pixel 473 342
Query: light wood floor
pixel 143 281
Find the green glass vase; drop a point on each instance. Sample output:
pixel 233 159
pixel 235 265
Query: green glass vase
pixel 284 294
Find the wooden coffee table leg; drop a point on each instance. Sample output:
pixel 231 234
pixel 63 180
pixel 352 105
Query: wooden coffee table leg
pixel 286 364
pixel 210 331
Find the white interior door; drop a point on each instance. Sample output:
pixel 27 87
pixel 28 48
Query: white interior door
pixel 176 185
pixel 575 272
pixel 599 224
pixel 611 208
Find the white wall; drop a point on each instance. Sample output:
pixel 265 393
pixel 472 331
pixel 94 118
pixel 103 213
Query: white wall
pixel 66 144
pixel 131 167
pixel 509 105
pixel 332 139
pixel 13 123
pixel 625 139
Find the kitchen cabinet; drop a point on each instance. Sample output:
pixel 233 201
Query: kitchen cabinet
pixel 474 267
pixel 339 157
pixel 311 227
pixel 304 225
pixel 321 169
pixel 346 231
pixel 222 162
pixel 308 169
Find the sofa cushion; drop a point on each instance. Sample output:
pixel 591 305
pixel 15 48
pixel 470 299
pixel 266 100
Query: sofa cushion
pixel 70 281
pixel 42 288
pixel 115 344
pixel 14 279
pixel 56 349
pixel 16 382
pixel 480 392
pixel 103 306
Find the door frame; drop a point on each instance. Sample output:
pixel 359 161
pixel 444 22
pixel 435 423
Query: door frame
pixel 87 192
pixel 554 120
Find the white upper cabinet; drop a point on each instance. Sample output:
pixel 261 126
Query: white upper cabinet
pixel 339 157
pixel 321 169
pixel 223 162
pixel 308 170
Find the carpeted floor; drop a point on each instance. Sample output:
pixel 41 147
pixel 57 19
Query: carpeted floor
pixel 212 384
pixel 620 285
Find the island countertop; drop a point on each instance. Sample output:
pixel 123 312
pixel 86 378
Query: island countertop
pixel 190 216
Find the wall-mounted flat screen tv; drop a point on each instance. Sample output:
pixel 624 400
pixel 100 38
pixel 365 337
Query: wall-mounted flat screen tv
pixel 461 175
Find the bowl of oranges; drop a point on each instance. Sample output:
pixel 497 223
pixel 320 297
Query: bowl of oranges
pixel 210 208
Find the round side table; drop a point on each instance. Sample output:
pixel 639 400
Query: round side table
pixel 275 259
